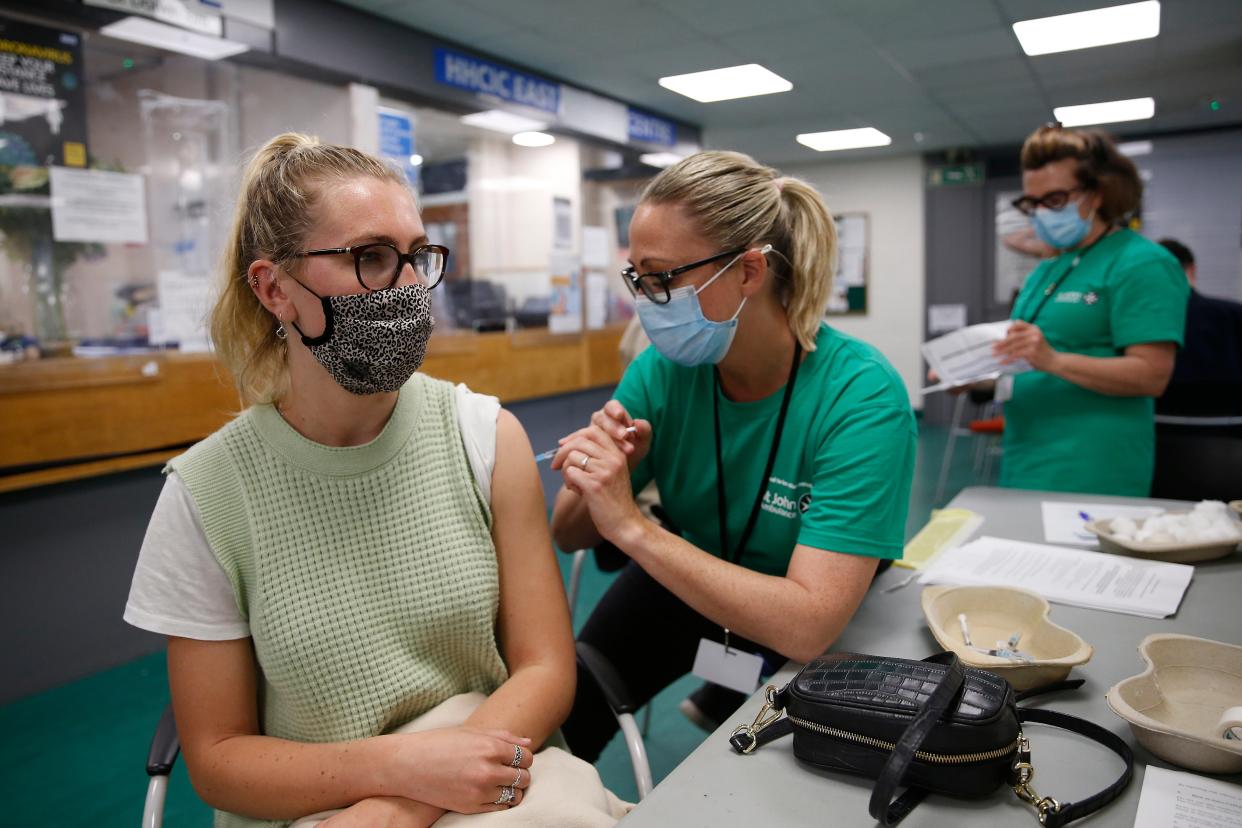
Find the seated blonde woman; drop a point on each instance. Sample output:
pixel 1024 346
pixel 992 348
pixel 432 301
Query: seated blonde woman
pixel 363 543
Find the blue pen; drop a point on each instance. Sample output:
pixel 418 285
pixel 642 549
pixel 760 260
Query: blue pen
pixel 550 453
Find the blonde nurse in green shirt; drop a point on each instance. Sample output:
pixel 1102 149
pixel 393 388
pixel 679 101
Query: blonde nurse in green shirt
pixel 1100 324
pixel 783 449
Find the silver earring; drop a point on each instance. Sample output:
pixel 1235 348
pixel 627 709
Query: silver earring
pixel 281 333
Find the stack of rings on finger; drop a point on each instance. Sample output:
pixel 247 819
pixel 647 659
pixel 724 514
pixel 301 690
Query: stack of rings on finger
pixel 506 796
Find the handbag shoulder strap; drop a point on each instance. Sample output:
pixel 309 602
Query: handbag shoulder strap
pixel 1055 814
pixel 882 806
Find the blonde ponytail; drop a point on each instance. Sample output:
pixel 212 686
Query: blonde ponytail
pixel 275 210
pixel 739 202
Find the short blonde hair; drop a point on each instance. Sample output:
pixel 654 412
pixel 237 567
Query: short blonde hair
pixel 275 211
pixel 739 202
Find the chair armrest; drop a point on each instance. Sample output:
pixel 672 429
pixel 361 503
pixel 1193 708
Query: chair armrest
pixel 607 678
pixel 165 745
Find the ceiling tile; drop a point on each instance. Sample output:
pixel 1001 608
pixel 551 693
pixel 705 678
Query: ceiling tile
pixel 724 17
pixel 893 20
pixel 949 69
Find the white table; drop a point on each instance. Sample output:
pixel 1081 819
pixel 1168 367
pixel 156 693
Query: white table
pixel 716 787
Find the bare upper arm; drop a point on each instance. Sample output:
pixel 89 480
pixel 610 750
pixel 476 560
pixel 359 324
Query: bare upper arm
pixel 214 692
pixel 1160 357
pixel 534 616
pixel 837 582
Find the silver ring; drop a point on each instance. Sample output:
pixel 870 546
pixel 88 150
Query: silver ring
pixel 517 756
pixel 586 458
pixel 517 780
pixel 506 796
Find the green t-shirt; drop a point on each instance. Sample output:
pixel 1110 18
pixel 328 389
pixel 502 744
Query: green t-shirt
pixel 1126 290
pixel 842 476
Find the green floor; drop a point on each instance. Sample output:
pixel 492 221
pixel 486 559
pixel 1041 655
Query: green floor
pixel 74 756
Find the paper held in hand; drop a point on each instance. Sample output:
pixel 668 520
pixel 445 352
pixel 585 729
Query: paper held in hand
pixel 965 356
pixel 1066 576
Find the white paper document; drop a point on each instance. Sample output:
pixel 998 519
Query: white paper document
pixel 1066 523
pixel 98 206
pixel 1172 799
pixel 1076 577
pixel 965 356
pixel 185 301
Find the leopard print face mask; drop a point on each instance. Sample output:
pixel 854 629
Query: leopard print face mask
pixel 373 342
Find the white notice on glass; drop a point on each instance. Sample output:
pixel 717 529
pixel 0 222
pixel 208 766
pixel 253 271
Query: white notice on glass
pixel 965 356
pixel 184 303
pixel 596 300
pixel 98 206
pixel 1066 523
pixel 595 251
pixel 1172 799
pixel 1076 577
pixel 945 318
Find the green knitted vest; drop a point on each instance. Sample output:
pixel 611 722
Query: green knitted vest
pixel 367 573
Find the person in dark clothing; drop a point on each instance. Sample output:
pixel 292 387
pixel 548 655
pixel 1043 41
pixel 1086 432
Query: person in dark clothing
pixel 1199 417
pixel 1207 377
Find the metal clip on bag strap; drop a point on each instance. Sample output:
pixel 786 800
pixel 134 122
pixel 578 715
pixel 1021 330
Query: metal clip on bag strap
pixel 882 806
pixel 1065 813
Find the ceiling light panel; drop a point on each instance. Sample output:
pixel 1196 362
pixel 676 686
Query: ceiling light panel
pixel 1087 29
pixel 1106 112
pixel 843 139
pixel 533 139
pixel 172 38
pixel 660 159
pixel 728 83
pixel 498 120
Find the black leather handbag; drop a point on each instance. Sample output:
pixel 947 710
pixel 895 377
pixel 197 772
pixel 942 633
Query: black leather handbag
pixel 932 725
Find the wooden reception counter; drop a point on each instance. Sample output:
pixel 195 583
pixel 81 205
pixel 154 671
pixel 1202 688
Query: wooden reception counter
pixel 63 419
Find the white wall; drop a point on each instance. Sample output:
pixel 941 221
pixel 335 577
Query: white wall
pixel 891 191
pixel 511 190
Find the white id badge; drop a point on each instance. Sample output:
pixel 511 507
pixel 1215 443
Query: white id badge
pixel 1004 388
pixel 733 668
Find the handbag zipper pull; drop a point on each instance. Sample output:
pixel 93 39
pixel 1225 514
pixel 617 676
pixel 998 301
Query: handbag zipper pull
pixel 767 714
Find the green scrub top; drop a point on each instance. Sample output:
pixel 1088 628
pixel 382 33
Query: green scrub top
pixel 841 480
pixel 1126 290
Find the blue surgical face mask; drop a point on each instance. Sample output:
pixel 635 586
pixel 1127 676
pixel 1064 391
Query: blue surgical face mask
pixel 1062 228
pixel 679 330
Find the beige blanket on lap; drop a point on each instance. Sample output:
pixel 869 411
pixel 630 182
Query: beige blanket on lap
pixel 564 791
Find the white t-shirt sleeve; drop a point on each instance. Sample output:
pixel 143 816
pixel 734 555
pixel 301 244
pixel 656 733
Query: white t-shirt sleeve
pixel 179 587
pixel 476 417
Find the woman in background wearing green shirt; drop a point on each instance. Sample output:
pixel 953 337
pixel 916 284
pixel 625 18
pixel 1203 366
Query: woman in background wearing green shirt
pixel 1100 325
pixel 783 449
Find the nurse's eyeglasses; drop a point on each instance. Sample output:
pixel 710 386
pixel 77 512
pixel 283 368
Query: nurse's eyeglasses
pixel 654 285
pixel 378 264
pixel 1054 200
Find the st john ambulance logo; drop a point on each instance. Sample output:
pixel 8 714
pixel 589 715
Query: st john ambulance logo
pixel 1091 298
pixel 804 503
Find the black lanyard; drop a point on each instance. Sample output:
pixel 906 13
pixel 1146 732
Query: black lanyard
pixel 1052 288
pixel 721 506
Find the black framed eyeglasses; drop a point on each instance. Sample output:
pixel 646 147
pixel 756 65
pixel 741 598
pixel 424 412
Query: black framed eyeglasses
pixel 654 285
pixel 378 264
pixel 1054 200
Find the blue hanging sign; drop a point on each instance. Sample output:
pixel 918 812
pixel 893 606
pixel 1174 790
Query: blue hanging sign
pixel 475 75
pixel 650 129
pixel 396 141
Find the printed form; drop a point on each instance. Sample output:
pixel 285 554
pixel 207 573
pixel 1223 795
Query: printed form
pixel 1076 577
pixel 965 356
pixel 1172 799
